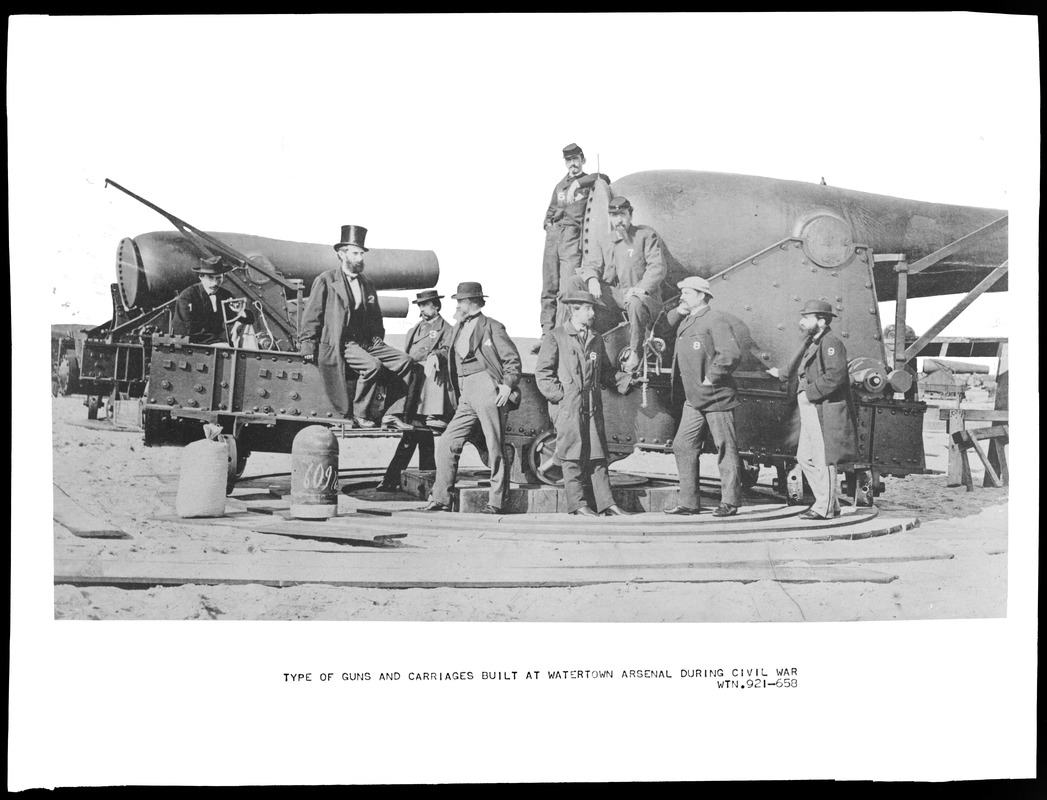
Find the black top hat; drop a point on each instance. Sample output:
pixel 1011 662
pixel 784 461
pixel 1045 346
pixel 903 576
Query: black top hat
pixel 572 150
pixel 214 265
pixel 426 296
pixel 818 307
pixel 352 234
pixel 468 290
pixel 619 204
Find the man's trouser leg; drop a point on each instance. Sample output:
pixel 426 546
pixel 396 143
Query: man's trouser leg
pixel 601 483
pixel 687 446
pixel 573 484
pixel 639 321
pixel 449 450
pixel 366 367
pixel 569 258
pixel 550 278
pixel 728 462
pixel 810 455
pixel 482 396
pixel 368 362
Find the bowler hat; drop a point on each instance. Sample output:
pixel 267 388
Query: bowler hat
pixel 572 150
pixel 817 307
pixel 468 290
pixel 214 265
pixel 619 204
pixel 352 234
pixel 580 297
pixel 426 296
pixel 696 283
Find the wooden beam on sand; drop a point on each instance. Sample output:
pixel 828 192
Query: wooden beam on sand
pixel 79 522
pixel 98 572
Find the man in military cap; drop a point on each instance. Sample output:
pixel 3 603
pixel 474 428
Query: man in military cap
pixel 572 369
pixel 563 234
pixel 707 353
pixel 343 326
pixel 483 370
pixel 821 385
pixel 203 310
pixel 427 344
pixel 628 273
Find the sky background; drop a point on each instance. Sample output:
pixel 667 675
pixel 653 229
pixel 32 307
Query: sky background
pixel 444 133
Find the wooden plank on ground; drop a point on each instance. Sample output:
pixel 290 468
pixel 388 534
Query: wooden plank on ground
pixel 95 571
pixel 79 522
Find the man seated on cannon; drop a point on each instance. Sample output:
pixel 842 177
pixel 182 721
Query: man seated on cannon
pixel 627 274
pixel 343 327
pixel 203 310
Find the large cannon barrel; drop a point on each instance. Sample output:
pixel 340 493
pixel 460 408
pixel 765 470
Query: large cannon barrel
pixel 154 267
pixel 710 221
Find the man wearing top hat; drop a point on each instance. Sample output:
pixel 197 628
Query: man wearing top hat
pixel 707 353
pixel 627 273
pixel 821 385
pixel 572 369
pixel 483 370
pixel 199 312
pixel 563 234
pixel 427 344
pixel 342 326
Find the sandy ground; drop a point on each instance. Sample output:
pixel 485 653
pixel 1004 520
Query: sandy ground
pixel 113 476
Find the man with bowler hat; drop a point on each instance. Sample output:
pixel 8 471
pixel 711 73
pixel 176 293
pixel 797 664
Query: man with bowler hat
pixel 199 312
pixel 707 353
pixel 342 326
pixel 821 385
pixel 483 370
pixel 427 344
pixel 563 234
pixel 627 273
pixel 572 370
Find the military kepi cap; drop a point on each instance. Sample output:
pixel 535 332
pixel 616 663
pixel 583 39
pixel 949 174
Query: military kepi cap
pixel 572 150
pixel 468 290
pixel 619 204
pixel 427 296
pixel 214 265
pixel 352 234
pixel 580 297
pixel 817 307
pixel 696 283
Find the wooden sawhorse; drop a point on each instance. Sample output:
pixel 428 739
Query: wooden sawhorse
pixel 962 440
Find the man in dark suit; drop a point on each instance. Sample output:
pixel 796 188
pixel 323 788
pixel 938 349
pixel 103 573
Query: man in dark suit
pixel 484 368
pixel 199 312
pixel 573 369
pixel 821 385
pixel 342 326
pixel 706 354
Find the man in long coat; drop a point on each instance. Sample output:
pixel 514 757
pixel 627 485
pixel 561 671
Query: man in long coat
pixel 563 234
pixel 707 353
pixel 628 273
pixel 820 382
pixel 572 369
pixel 199 312
pixel 427 344
pixel 342 326
pixel 483 370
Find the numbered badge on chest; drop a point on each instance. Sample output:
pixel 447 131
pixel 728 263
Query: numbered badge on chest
pixel 697 345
